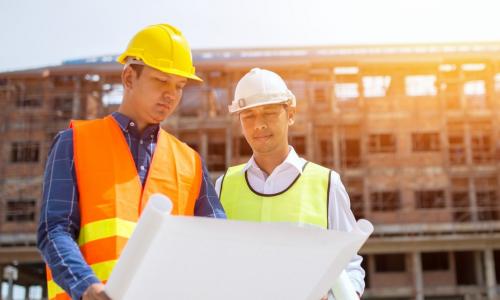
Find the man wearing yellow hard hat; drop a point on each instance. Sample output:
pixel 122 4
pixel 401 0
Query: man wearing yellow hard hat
pixel 100 173
pixel 276 185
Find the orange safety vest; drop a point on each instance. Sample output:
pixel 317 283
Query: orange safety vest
pixel 111 196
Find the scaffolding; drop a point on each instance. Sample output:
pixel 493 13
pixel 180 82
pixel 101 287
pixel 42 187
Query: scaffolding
pixel 413 130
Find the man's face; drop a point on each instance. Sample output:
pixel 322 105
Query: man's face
pixel 266 127
pixel 155 94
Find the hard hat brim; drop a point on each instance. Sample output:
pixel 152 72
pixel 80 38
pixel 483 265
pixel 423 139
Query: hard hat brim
pixel 122 59
pixel 233 109
pixel 179 73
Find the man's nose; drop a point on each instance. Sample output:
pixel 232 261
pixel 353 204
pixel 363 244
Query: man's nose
pixel 260 122
pixel 169 93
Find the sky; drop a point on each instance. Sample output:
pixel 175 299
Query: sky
pixel 38 33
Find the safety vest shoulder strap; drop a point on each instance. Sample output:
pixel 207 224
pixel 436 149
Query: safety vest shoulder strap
pixel 232 176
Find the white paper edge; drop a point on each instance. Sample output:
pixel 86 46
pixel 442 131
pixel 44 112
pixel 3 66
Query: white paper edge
pixel 158 207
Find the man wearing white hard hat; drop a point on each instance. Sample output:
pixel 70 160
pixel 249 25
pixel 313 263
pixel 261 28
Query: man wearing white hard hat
pixel 276 185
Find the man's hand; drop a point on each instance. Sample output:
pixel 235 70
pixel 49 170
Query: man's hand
pixel 95 292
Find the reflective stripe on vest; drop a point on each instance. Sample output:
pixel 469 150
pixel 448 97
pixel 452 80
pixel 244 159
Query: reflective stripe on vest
pixel 305 201
pixel 111 196
pixel 102 271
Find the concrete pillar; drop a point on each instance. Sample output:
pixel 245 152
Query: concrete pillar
pixel 309 140
pixel 417 276
pixel 77 105
pixel 491 282
pixel 10 290
pixel 473 200
pixel 333 98
pixel 468 144
pixel 478 266
pixel 336 147
pixel 463 98
pixel 11 274
pixel 366 198
pixel 204 145
pixel 470 164
pixel 229 145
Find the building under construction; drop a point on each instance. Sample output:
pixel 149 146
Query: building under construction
pixel 413 130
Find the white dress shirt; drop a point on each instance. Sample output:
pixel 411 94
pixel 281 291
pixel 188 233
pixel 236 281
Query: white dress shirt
pixel 340 215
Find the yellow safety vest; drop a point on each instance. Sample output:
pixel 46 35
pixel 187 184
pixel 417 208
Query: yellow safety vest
pixel 305 201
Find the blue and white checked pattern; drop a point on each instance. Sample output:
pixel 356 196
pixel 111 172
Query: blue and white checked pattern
pixel 60 216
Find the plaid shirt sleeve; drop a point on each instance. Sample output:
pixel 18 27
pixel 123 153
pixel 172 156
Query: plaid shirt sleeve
pixel 59 224
pixel 208 204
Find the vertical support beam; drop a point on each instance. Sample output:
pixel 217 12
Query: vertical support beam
pixel 203 112
pixel 99 92
pixel 77 98
pixel 417 276
pixel 204 145
pixel 336 147
pixel 47 96
pixel 237 134
pixel 470 165
pixel 478 268
pixel 448 198
pixel 491 282
pixel 10 289
pixel 473 199
pixel 444 139
pixel 309 139
pixel 463 99
pixel 468 143
pixel 366 197
pixel 334 108
pixel 229 145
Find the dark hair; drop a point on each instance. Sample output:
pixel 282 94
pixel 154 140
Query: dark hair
pixel 137 69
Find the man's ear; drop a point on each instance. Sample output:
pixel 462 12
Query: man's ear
pixel 291 115
pixel 127 78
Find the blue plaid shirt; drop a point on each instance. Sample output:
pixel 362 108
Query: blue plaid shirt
pixel 59 225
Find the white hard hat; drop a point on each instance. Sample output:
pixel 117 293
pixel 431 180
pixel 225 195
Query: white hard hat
pixel 260 87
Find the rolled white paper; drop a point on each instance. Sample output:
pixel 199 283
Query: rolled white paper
pixel 149 225
pixel 343 289
pixel 364 227
pixel 162 259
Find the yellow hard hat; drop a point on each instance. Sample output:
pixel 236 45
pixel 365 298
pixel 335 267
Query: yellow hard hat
pixel 164 48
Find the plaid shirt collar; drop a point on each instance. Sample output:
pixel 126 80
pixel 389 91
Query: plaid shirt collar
pixel 128 125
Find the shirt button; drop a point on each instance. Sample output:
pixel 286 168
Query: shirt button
pixel 141 142
pixel 142 168
pixel 132 124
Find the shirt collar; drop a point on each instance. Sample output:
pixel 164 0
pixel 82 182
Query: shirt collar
pixel 292 159
pixel 126 124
